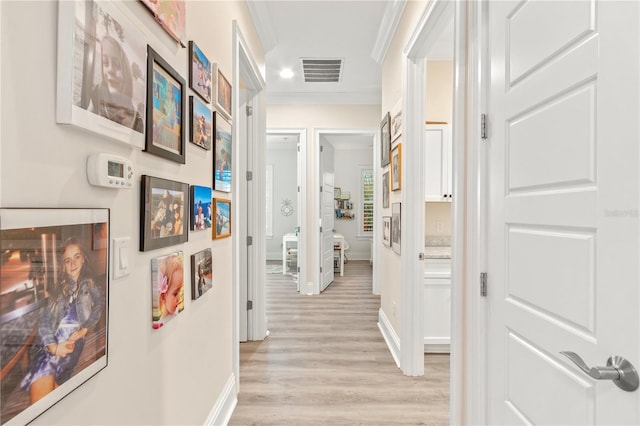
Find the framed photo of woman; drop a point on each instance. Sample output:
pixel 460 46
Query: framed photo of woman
pixel 222 211
pixel 396 168
pixel 201 273
pixel 199 72
pixel 162 213
pixel 223 89
pixel 201 128
pixel 222 171
pixel 201 207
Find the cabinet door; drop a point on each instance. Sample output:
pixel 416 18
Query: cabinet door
pixel 437 314
pixel 437 163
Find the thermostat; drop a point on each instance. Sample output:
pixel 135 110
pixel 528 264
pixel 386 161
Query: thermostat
pixel 110 171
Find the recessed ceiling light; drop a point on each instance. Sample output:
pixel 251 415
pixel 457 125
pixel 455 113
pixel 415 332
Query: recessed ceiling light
pixel 286 73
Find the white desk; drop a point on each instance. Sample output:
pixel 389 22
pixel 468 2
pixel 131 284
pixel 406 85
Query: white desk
pixel 287 239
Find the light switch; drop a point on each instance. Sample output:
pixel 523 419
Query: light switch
pixel 120 260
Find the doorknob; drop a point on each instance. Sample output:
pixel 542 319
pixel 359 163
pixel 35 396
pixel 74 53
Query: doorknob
pixel 618 369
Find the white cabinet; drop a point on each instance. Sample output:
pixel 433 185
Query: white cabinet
pixel 438 162
pixel 437 305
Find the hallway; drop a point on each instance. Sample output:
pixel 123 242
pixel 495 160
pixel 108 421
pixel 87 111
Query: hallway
pixel 325 362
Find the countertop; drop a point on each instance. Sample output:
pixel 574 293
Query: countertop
pixel 437 247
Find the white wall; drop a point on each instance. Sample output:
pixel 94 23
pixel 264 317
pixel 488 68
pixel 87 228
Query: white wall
pixel 162 377
pixel 285 186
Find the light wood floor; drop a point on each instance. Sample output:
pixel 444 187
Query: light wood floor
pixel 325 362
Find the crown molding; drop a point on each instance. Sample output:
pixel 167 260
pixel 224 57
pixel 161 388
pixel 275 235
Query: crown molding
pixel 264 27
pixel 388 26
pixel 343 98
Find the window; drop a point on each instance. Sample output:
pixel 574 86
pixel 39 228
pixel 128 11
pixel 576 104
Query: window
pixel 365 225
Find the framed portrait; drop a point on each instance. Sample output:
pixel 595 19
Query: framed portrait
pixel 201 273
pixel 386 230
pixel 165 109
pixel 167 288
pixel 222 211
pixel 222 154
pixel 396 228
pixel 385 189
pixel 171 15
pixel 385 140
pixel 96 38
pixel 396 121
pixel 162 222
pixel 223 96
pixel 201 128
pixel 201 208
pixel 199 72
pixel 396 167
pixel 51 266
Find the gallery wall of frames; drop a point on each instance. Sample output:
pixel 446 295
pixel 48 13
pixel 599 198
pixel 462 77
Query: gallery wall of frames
pixel 116 196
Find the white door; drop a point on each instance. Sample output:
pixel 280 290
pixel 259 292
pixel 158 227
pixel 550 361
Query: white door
pixel 438 158
pixel 563 249
pixel 327 204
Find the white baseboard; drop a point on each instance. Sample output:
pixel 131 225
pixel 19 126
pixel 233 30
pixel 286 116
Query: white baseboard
pixel 440 345
pixel 390 336
pixel 226 403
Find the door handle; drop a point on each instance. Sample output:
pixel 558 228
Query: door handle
pixel 618 369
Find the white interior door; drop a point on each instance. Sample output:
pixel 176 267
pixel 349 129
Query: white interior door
pixel 563 209
pixel 327 213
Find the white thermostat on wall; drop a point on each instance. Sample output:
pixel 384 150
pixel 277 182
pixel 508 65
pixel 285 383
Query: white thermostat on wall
pixel 110 171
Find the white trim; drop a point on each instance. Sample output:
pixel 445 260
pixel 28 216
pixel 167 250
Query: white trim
pixel 264 27
pixel 376 243
pixel 439 345
pixel 364 97
pixel 390 337
pixel 221 412
pixel 388 26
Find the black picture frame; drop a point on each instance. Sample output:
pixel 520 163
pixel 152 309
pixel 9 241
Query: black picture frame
pixel 385 140
pixel 165 123
pixel 159 226
pixel 200 78
pixel 396 227
pixel 201 273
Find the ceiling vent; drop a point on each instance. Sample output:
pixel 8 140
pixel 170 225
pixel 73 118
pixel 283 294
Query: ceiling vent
pixel 321 70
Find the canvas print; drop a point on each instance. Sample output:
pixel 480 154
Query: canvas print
pixel 54 288
pixel 162 218
pixel 396 168
pixel 167 284
pixel 386 230
pixel 385 140
pixel 201 129
pixel 201 208
pixel 101 71
pixel 171 15
pixel 224 93
pixel 385 189
pixel 223 218
pixel 199 72
pixel 396 228
pixel 222 154
pixel 201 273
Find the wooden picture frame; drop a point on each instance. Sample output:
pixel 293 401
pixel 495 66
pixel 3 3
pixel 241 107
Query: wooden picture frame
pixel 222 154
pixel 200 79
pixel 162 213
pixel 201 128
pixel 386 230
pixel 223 93
pixel 165 109
pixel 385 140
pixel 396 168
pixel 396 227
pixel 201 273
pixel 201 199
pixel 222 213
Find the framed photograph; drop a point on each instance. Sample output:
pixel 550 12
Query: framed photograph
pixel 222 210
pixel 165 109
pixel 201 273
pixel 385 189
pixel 167 288
pixel 396 168
pixel 48 272
pixel 385 140
pixel 201 208
pixel 396 228
pixel 222 154
pixel 336 193
pixel 386 230
pixel 199 72
pixel 101 78
pixel 223 89
pixel 201 128
pixel 171 15
pixel 396 121
pixel 162 210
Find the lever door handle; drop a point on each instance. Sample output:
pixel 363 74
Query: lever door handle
pixel 618 369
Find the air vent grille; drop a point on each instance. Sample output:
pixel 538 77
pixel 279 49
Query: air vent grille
pixel 321 70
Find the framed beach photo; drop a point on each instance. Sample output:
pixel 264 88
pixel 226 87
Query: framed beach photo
pixel 199 72
pixel 201 128
pixel 101 78
pixel 223 96
pixel 54 306
pixel 201 273
pixel 201 207
pixel 222 171
pixel 396 167
pixel 171 15
pixel 386 230
pixel 162 213
pixel 385 140
pixel 222 212
pixel 167 288
pixel 396 227
pixel 165 109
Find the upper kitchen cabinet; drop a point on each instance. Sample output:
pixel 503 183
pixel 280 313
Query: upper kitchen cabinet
pixel 438 162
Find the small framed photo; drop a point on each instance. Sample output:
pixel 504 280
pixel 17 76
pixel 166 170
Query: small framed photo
pixel 201 273
pixel 171 15
pixel 165 109
pixel 385 140
pixel 396 121
pixel 167 288
pixel 337 193
pixel 385 189
pixel 199 72
pixel 396 228
pixel 386 230
pixel 201 208
pixel 222 211
pixel 222 154
pixel 162 222
pixel 223 98
pixel 396 168
pixel 201 128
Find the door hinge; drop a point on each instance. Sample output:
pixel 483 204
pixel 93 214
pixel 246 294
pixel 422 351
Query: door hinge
pixel 321 148
pixel 321 269
pixel 249 305
pixel 321 229
pixel 298 148
pixel 320 188
pixel 483 126
pixel 298 188
pixel 298 269
pixel 483 284
pixel 249 110
pixel 249 241
pixel 249 175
